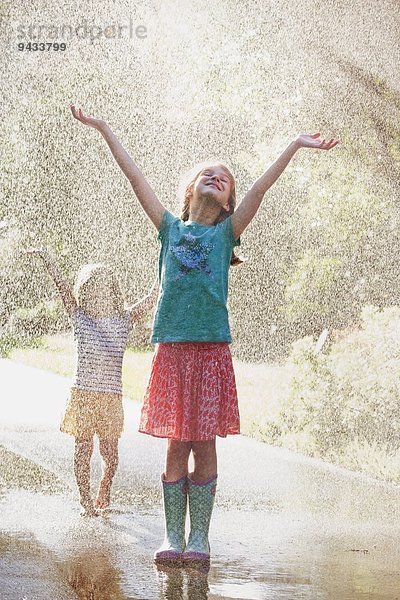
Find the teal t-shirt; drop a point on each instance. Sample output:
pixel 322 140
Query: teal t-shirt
pixel 193 272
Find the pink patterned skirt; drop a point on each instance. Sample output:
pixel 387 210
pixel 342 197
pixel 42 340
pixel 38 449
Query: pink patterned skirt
pixel 191 394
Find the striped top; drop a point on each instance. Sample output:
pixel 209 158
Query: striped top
pixel 100 350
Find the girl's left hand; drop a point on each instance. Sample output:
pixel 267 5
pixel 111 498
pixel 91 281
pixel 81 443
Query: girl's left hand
pixel 87 120
pixel 305 140
pixel 37 250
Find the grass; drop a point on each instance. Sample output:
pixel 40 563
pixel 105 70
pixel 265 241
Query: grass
pixel 255 383
pixel 57 354
pixel 261 388
pixel 263 393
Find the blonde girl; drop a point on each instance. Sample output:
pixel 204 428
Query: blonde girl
pixel 102 324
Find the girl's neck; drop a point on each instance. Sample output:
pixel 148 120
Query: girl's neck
pixel 99 310
pixel 203 214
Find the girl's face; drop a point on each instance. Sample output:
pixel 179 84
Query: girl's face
pixel 98 296
pixel 214 183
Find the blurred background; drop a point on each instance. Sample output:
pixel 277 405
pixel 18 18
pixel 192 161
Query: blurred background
pixel 181 83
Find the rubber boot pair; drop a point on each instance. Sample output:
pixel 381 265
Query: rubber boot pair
pixel 201 500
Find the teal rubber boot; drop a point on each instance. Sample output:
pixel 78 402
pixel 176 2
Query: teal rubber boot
pixel 201 502
pixel 175 501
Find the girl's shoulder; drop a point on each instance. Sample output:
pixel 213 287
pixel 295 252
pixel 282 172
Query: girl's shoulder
pixel 73 315
pixel 166 222
pixel 226 229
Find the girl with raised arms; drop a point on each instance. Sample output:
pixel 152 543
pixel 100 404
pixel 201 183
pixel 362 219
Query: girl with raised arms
pixel 191 395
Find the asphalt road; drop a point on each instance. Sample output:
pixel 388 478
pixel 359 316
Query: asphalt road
pixel 284 526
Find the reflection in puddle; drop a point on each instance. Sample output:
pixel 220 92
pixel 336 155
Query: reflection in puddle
pixel 247 590
pixel 92 576
pixel 244 581
pixel 26 570
pixel 183 584
pixel 45 545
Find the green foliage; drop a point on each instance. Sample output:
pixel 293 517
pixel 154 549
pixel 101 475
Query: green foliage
pixel 324 241
pixel 366 366
pixel 311 288
pixel 11 280
pixel 45 318
pixel 313 408
pixel 11 341
pixel 345 231
pixel 25 326
pixel 348 397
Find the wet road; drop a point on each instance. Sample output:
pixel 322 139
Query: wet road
pixel 284 526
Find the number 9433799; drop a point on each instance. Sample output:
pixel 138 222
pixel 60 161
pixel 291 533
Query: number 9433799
pixel 41 46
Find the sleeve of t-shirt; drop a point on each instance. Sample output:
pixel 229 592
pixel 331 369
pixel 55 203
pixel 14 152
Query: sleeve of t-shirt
pixel 229 233
pixel 167 220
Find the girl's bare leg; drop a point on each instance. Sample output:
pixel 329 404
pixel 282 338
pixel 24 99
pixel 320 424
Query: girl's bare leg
pixel 109 453
pixel 205 460
pixel 83 454
pixel 176 465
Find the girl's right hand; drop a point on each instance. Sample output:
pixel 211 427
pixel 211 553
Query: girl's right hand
pixel 38 251
pixel 91 121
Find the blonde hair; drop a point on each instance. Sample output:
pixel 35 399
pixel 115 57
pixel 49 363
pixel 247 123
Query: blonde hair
pixel 92 278
pixel 224 214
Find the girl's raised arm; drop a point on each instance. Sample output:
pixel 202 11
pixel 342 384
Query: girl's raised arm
pixel 142 307
pixel 144 192
pixel 252 200
pixel 62 285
